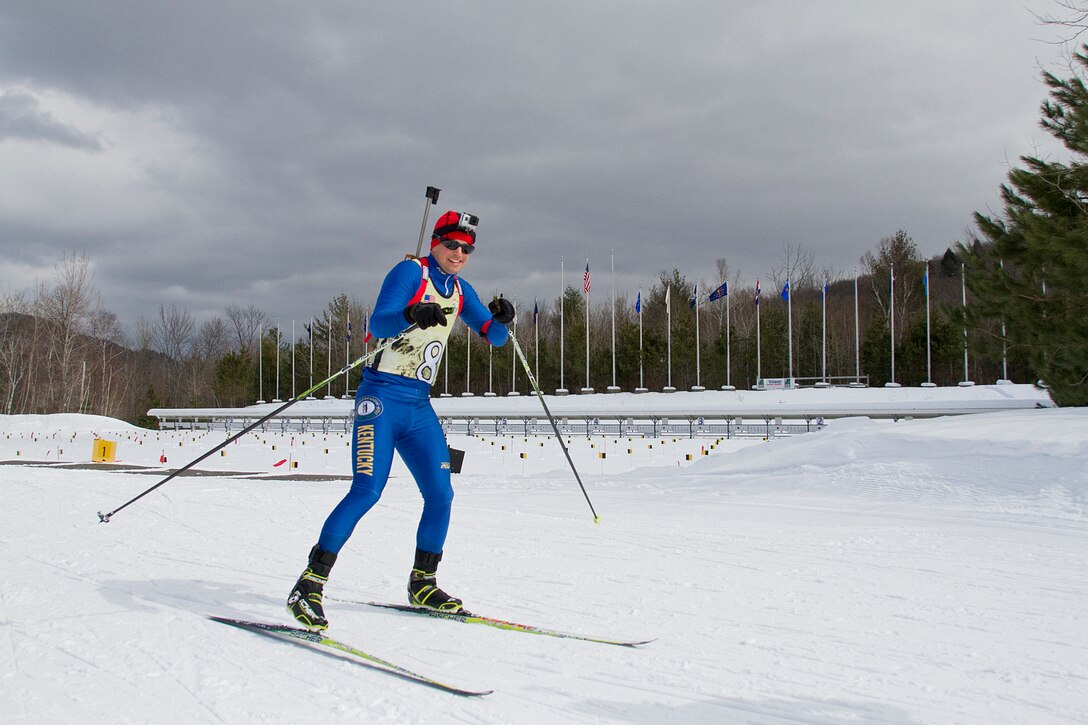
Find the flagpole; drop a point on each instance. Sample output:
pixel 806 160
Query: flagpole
pixel 310 330
pixel 698 360
pixel 514 356
pixel 586 287
pixel 823 348
pixel 929 354
pixel 857 333
pixel 668 334
pixel 562 390
pixel 759 356
pixel 347 348
pixel 728 370
pixel 891 316
pixel 293 358
pixel 277 398
pixel 490 371
pixel 536 336
pixel 1004 342
pixel 614 388
pixel 789 330
pixel 963 287
pixel 638 310
pixel 260 364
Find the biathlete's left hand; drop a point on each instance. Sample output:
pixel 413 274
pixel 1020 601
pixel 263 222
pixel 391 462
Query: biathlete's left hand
pixel 501 310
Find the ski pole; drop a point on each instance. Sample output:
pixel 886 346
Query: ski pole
pixel 432 199
pixel 551 419
pixel 105 517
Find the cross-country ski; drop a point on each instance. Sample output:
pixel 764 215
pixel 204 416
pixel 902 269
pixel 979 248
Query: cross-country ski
pixel 328 645
pixel 473 618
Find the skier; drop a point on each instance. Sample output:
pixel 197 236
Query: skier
pixel 393 410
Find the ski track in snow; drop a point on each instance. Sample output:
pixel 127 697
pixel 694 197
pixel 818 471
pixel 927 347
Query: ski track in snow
pixel 923 571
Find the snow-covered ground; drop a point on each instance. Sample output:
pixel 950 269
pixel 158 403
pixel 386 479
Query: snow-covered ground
pixel 917 571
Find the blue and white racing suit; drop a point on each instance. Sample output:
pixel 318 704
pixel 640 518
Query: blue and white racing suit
pixel 393 408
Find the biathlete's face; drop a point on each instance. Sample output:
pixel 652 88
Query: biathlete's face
pixel 450 260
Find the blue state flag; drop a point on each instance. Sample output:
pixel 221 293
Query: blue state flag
pixel 786 291
pixel 638 303
pixel 722 291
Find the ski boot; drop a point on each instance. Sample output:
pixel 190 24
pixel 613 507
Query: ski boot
pixel 304 602
pixel 422 590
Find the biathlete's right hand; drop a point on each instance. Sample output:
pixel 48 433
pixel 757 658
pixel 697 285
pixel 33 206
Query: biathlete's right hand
pixel 425 314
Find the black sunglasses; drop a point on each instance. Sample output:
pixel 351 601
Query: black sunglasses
pixel 451 245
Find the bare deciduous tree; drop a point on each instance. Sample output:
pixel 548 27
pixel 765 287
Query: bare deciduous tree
pixel 1073 16
pixel 114 376
pixel 14 310
pixel 899 254
pixel 212 340
pixel 247 322
pixel 798 266
pixel 172 334
pixel 66 307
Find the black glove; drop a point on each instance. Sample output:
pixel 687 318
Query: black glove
pixel 501 310
pixel 425 314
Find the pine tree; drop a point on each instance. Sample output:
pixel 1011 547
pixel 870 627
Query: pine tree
pixel 1032 273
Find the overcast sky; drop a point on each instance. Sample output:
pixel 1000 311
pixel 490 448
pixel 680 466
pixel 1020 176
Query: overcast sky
pixel 202 153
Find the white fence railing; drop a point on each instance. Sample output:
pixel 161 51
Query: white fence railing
pixel 692 427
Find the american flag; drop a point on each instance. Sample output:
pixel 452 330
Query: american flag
pixel 585 279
